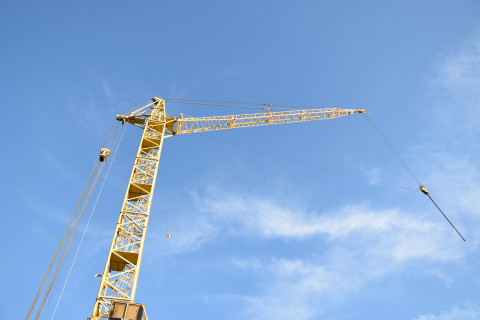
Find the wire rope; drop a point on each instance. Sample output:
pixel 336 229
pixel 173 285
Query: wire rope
pixel 407 168
pixel 99 234
pixel 217 101
pixel 84 232
pixel 68 253
pixel 142 106
pixel 60 244
pixel 246 105
pixel 44 312
pixel 445 216
pixel 116 137
pixel 109 132
pixel 225 103
pixel 392 149
pixel 220 105
pixel 67 246
pixel 56 282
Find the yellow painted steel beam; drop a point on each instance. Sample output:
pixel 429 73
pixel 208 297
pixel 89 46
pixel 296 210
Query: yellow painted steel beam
pixel 187 124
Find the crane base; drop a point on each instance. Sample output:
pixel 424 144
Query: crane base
pixel 127 311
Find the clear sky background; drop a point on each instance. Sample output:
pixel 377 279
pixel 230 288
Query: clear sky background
pixel 255 233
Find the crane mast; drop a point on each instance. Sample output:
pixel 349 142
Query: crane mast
pixel 119 279
pixel 120 275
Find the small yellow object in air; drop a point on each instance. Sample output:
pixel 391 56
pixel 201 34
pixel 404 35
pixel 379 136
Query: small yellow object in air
pixel 424 190
pixel 168 235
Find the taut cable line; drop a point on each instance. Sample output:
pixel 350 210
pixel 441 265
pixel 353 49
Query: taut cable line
pixel 425 191
pixel 233 104
pixel 67 246
pixel 116 145
pixel 88 223
pixel 104 153
pixel 407 168
pixel 60 244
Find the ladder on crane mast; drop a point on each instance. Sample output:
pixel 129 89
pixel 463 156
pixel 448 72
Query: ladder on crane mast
pixel 115 298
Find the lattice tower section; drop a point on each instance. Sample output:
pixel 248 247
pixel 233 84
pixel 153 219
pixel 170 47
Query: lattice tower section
pixel 119 280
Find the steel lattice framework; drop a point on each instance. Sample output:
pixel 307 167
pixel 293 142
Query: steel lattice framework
pixel 119 279
pixel 202 124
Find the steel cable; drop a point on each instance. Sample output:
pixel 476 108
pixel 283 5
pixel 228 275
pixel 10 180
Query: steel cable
pixel 407 168
pixel 220 105
pixel 67 246
pixel 86 227
pixel 68 253
pixel 392 149
pixel 204 102
pixel 445 216
pixel 60 245
pixel 109 132
pixel 98 236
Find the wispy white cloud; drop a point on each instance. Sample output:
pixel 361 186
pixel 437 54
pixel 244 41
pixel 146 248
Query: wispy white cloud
pixel 410 235
pixel 456 84
pixel 303 288
pixel 466 311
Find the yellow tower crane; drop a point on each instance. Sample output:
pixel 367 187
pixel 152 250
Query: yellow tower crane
pixel 115 298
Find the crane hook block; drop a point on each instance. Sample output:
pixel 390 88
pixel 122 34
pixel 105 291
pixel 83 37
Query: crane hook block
pixel 104 154
pixel 424 190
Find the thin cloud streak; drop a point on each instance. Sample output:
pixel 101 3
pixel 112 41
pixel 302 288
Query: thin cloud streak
pixel 467 311
pixel 409 235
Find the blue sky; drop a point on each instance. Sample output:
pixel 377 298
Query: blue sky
pixel 256 234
